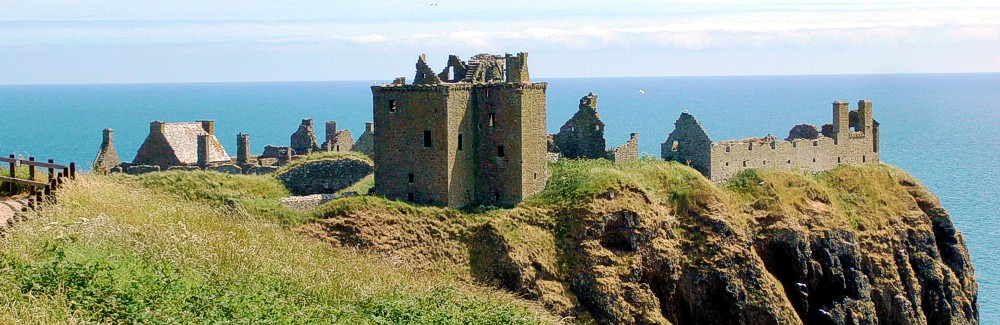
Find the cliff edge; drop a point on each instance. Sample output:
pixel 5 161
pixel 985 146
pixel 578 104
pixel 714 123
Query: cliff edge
pixel 652 242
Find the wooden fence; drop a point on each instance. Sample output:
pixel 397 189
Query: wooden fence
pixel 41 191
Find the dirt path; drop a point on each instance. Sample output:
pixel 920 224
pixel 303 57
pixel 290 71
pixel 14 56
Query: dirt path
pixel 8 209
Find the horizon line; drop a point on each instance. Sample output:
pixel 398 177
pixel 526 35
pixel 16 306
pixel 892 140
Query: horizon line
pixel 582 77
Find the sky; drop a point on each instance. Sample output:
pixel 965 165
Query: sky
pixel 138 41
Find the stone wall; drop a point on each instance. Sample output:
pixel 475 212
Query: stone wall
pixel 460 141
pixel 303 141
pixel 324 176
pixel 852 143
pixel 628 151
pixel 107 156
pixel 689 144
pixel 366 142
pixel 582 136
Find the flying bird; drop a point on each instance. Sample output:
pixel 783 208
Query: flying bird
pixel 642 92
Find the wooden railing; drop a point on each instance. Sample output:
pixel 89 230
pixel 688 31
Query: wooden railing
pixel 41 191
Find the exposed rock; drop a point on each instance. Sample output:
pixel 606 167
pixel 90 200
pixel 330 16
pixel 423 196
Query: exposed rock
pixel 796 251
pixel 324 176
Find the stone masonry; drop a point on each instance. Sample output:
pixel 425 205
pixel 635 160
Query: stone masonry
pixel 628 151
pixel 107 156
pixel 473 133
pixel 366 142
pixel 303 141
pixel 337 140
pixel 582 136
pixel 176 144
pixel 849 141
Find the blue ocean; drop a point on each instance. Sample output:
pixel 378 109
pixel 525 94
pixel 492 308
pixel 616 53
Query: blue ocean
pixel 942 128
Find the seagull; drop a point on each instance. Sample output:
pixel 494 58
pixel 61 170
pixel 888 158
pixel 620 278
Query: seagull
pixel 374 83
pixel 642 92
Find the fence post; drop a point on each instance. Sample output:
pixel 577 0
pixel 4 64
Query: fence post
pixel 31 169
pixel 52 170
pixel 72 170
pixel 10 185
pixel 38 199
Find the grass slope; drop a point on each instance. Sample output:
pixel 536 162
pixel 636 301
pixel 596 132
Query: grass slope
pixel 204 247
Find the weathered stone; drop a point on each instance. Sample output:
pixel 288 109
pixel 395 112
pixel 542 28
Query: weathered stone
pixel 303 141
pixel 228 169
pixel 478 140
pixel 324 176
pixel 803 131
pixel 260 170
pixel 142 169
pixel 583 135
pixel 843 142
pixel 366 143
pixel 628 151
pixel 337 140
pixel 183 168
pixel 107 156
pixel 176 144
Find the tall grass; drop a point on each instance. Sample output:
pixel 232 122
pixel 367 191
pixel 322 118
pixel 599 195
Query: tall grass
pixel 21 172
pixel 159 249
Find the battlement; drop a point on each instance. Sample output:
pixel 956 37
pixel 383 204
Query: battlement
pixel 852 138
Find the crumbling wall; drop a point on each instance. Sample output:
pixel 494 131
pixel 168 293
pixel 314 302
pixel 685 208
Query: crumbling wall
pixel 844 142
pixel 582 136
pixel 324 176
pixel 366 142
pixel 689 144
pixel 628 151
pixel 303 141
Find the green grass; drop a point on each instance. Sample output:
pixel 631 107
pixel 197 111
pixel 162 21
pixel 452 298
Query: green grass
pixel 255 195
pixel 21 172
pixel 160 249
pixel 324 156
pixel 575 181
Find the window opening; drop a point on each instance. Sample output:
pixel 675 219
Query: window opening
pixel 427 138
pixel 460 141
pixel 410 178
pixel 675 146
pixel 392 106
pixel 500 152
pixel 409 197
pixel 496 196
pixel 492 120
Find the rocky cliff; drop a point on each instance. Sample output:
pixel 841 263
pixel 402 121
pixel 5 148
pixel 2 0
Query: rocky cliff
pixel 656 243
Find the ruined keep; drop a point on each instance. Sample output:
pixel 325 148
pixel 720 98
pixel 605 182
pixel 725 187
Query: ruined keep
pixel 177 144
pixel 473 133
pixel 582 136
pixel 107 156
pixel 366 142
pixel 337 140
pixel 303 141
pixel 849 141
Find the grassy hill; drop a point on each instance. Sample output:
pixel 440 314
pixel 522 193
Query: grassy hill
pixel 205 247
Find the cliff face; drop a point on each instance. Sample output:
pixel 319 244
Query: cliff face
pixel 656 243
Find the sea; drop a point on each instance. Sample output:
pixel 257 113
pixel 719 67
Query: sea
pixel 942 128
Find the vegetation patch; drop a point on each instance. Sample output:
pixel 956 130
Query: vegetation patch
pixel 124 250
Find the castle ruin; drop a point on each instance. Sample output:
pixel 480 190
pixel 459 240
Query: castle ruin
pixel 582 136
pixel 473 133
pixel 851 139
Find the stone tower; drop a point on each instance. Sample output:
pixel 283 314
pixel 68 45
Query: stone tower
pixel 107 156
pixel 477 135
